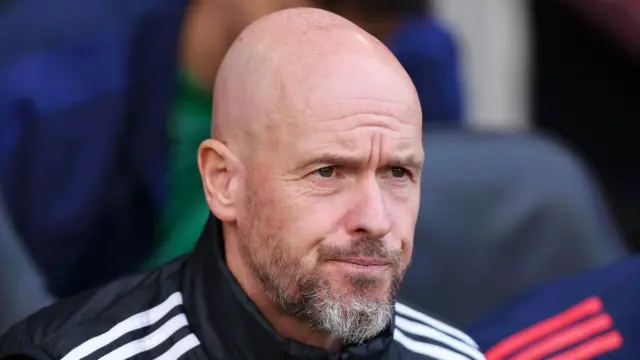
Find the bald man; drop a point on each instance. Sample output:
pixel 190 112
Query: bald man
pixel 312 177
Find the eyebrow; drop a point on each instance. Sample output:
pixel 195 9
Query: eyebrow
pixel 410 162
pixel 330 159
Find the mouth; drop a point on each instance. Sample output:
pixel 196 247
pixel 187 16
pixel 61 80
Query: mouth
pixel 363 261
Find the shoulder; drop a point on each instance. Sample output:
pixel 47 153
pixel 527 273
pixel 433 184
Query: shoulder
pixel 426 337
pixel 105 314
pixel 598 302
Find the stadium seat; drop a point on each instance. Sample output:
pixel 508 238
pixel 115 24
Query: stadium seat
pixel 501 213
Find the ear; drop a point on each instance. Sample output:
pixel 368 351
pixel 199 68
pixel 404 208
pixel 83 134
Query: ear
pixel 219 170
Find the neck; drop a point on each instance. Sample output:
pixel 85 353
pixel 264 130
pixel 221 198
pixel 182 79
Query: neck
pixel 287 326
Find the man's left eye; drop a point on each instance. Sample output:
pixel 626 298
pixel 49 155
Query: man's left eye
pixel 398 172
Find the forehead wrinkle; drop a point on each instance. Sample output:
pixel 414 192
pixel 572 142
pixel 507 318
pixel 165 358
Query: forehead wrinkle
pixel 351 139
pixel 265 81
pixel 389 115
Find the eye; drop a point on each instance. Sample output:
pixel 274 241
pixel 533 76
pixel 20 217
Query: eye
pixel 398 172
pixel 326 172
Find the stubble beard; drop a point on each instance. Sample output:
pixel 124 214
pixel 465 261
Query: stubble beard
pixel 351 317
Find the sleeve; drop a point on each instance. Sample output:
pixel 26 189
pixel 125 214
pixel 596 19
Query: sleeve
pixel 429 337
pixel 28 357
pixel 565 319
pixel 9 352
pixel 10 349
pixel 18 343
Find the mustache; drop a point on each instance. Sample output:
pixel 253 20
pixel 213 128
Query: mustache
pixel 364 246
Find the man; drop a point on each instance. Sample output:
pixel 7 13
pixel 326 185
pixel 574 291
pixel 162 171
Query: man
pixel 313 176
pixel 592 315
pixel 422 45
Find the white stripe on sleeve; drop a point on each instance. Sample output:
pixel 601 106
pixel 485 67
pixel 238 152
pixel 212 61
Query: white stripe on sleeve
pixel 137 321
pixel 428 320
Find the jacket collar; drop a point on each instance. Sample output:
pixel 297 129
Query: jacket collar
pixel 226 320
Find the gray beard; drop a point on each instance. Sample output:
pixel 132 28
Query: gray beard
pixel 350 319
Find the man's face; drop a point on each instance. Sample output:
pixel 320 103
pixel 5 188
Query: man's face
pixel 331 203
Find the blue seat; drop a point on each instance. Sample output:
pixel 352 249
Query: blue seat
pixel 500 214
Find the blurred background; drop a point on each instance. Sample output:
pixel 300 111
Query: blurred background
pixel 529 131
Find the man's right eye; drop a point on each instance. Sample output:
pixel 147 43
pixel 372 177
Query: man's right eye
pixel 326 172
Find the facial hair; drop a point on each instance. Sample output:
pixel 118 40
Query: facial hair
pixel 301 291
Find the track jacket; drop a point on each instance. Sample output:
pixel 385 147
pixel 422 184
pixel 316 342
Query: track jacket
pixel 193 308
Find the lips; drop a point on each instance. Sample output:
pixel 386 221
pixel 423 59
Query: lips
pixel 364 261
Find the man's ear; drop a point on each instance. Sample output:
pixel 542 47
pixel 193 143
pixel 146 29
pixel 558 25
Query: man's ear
pixel 219 171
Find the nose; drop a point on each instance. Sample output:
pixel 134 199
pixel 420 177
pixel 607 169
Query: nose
pixel 369 214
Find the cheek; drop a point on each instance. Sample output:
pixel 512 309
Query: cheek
pixel 309 224
pixel 404 217
pixel 285 215
pixel 407 252
pixel 317 220
pixel 307 229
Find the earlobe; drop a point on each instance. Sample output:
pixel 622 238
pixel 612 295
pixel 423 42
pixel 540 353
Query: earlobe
pixel 216 164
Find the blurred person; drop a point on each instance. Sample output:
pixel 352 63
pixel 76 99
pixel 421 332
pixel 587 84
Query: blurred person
pixel 422 44
pixel 617 18
pixel 313 178
pixel 593 315
pixel 87 101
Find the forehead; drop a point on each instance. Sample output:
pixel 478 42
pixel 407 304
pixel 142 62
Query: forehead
pixel 331 100
pixel 350 118
pixel 355 129
pixel 345 86
pixel 343 80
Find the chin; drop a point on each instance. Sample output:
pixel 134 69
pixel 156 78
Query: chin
pixel 371 288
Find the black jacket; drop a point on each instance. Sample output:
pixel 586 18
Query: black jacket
pixel 192 308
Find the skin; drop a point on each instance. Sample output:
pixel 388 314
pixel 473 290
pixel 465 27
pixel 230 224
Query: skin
pixel 314 170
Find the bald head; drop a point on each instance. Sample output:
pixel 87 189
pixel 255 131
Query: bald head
pixel 316 157
pixel 292 62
